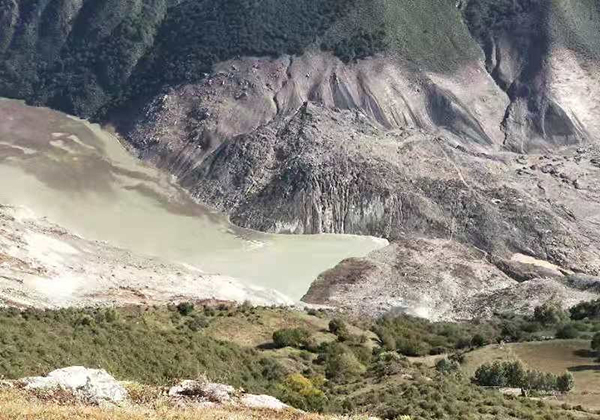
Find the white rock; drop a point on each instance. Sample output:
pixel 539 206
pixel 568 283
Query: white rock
pixel 93 385
pixel 203 389
pixel 218 393
pixel 262 402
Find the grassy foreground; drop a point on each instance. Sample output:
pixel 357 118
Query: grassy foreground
pixel 17 405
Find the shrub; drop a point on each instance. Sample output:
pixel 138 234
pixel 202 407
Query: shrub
pixel 478 341
pixel 343 367
pixel 447 366
pixel 185 308
pixel 389 363
pixel 272 370
pixel 550 313
pixel 387 341
pixel 341 364
pixel 300 392
pixel 291 337
pixel 197 322
pixel 412 347
pixel 336 326
pixel 458 357
pixel 567 332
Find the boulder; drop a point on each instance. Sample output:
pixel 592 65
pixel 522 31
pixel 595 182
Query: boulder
pixel 262 402
pixel 204 392
pixel 91 385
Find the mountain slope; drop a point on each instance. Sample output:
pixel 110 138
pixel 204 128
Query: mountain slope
pixel 473 121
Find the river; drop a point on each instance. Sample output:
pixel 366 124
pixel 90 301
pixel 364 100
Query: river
pixel 81 177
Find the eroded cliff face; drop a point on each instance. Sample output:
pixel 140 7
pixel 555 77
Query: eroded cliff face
pixel 540 53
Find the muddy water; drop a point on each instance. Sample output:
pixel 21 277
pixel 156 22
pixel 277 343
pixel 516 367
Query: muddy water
pixel 80 177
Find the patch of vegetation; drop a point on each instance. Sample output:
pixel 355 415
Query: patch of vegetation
pixel 118 50
pixel 304 393
pixel 338 372
pixel 153 346
pixel 586 311
pixel 359 46
pixel 291 337
pixel 95 60
pixel 418 337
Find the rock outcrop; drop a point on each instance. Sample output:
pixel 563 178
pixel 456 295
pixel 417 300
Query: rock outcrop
pixel 90 385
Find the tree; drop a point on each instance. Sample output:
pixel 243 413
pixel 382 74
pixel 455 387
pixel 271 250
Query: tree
pixel 565 382
pixel 596 342
pixel 515 374
pixel 490 375
pixel 586 310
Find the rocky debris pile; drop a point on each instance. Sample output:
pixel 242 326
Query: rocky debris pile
pixel 445 280
pixel 206 393
pixel 93 386
pixel 43 265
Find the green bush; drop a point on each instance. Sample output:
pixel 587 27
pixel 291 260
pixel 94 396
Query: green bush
pixel 389 363
pixel 338 327
pixel 478 341
pixel 291 337
pixel 447 366
pixel 301 392
pixel 340 362
pixel 567 332
pixel 344 367
pixel 185 308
